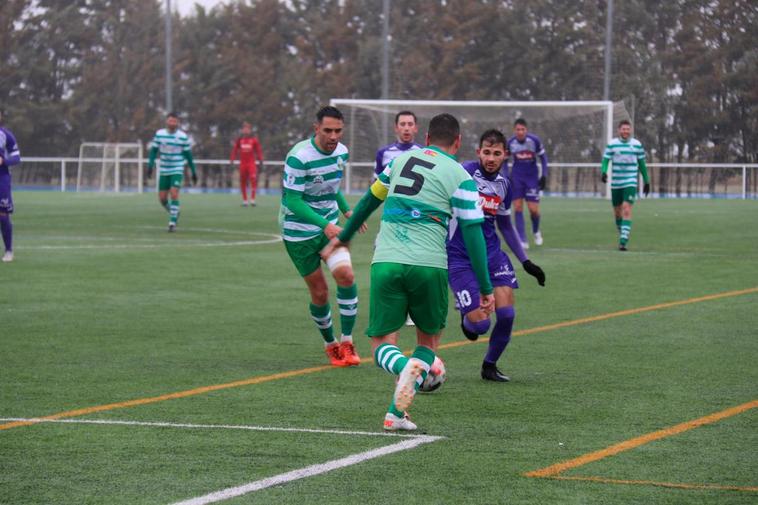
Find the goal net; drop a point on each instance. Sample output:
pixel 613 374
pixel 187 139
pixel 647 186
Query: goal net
pixel 574 134
pixel 110 167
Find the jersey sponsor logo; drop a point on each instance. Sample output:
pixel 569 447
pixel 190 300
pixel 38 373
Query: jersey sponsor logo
pixel 319 179
pixel 489 203
pixel 524 156
pixel 415 213
pixel 430 152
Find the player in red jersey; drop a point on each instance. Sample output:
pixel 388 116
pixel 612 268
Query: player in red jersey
pixel 247 148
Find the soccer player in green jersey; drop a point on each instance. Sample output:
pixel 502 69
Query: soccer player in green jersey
pixel 174 148
pixel 427 194
pixel 627 157
pixel 308 217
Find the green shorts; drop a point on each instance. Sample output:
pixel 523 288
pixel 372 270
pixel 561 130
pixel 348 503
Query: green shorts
pixel 620 195
pixel 304 254
pixel 398 290
pixel 166 182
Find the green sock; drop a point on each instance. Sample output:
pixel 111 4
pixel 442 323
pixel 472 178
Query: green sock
pixel 164 203
pixel 322 316
pixel 618 224
pixel 174 211
pixel 390 358
pixel 626 230
pixel 347 298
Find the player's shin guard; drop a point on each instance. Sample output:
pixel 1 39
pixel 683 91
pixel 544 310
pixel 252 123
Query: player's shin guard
pixel 322 316
pixel 390 358
pixel 347 298
pixel 626 230
pixel 6 227
pixel 501 334
pixel 174 211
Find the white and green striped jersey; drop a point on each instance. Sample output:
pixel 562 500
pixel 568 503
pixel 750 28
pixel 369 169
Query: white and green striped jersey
pixel 625 156
pixel 171 147
pixel 429 193
pixel 317 175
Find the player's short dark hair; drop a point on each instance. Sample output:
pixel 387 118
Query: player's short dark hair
pixel 172 114
pixel 443 130
pixel 405 113
pixel 329 111
pixel 492 137
pixel 520 121
pixel 623 122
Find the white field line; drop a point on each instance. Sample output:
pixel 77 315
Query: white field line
pixel 159 424
pixel 308 471
pixel 272 238
pixel 410 442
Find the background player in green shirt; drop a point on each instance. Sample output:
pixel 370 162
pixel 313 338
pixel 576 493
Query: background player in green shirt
pixel 426 195
pixel 174 147
pixel 308 217
pixel 627 156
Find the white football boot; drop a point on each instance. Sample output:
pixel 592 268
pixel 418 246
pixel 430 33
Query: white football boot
pixel 405 389
pixel 8 257
pixel 394 423
pixel 538 238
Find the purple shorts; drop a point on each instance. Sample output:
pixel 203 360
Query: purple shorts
pixel 6 199
pixel 525 186
pixel 466 288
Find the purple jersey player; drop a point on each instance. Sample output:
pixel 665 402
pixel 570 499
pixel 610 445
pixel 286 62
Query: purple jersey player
pixel 495 193
pixel 405 131
pixel 527 181
pixel 9 156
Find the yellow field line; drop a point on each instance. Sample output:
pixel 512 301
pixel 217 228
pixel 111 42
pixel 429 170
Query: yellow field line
pixel 169 396
pixel 294 373
pixel 603 480
pixel 554 470
pixel 611 315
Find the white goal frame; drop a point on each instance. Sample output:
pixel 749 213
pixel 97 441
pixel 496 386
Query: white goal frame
pixel 116 159
pixel 389 105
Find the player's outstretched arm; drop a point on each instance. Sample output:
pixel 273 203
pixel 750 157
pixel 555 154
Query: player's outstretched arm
pixel 511 238
pixel 363 210
pixel 191 163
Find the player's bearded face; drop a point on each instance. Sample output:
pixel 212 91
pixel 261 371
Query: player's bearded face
pixel 406 129
pixel 172 123
pixel 329 133
pixel 625 131
pixel 491 156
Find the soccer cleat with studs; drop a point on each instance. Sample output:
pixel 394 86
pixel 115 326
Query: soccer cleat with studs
pixel 405 389
pixel 491 373
pixel 8 257
pixel 348 354
pixel 171 227
pixel 394 423
pixel 622 247
pixel 335 357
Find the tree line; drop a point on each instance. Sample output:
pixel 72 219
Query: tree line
pixel 93 70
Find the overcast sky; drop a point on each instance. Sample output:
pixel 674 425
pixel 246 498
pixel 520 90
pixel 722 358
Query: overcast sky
pixel 187 6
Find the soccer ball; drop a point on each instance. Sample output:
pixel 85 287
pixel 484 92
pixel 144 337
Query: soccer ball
pixel 435 377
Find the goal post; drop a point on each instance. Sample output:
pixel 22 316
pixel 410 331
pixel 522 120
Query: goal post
pixel 110 167
pixel 574 133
